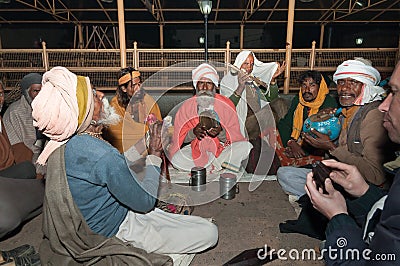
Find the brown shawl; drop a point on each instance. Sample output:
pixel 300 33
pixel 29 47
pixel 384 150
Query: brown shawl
pixel 68 240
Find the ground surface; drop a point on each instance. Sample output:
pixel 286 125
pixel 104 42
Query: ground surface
pixel 248 221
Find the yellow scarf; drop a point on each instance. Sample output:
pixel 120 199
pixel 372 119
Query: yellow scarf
pixel 348 115
pixel 314 106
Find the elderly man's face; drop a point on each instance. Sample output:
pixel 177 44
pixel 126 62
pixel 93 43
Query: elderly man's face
pixel 98 105
pixel 1 97
pixel 348 90
pixel 309 89
pixel 248 64
pixel 34 90
pixel 205 86
pixel 391 107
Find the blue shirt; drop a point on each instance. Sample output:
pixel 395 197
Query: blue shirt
pixel 103 187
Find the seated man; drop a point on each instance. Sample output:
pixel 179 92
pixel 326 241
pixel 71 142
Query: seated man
pixel 313 96
pixel 379 214
pixel 26 142
pixel 131 98
pixel 221 145
pixel 110 198
pixel 363 140
pixel 21 194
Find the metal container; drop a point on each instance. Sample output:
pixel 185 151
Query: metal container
pixel 227 186
pixel 198 178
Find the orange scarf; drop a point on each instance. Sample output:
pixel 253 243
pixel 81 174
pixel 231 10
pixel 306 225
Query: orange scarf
pixel 314 106
pixel 348 114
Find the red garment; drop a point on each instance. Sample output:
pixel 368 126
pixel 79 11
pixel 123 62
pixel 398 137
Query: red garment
pixel 187 118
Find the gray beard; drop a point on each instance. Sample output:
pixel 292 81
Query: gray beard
pixel 108 116
pixel 205 102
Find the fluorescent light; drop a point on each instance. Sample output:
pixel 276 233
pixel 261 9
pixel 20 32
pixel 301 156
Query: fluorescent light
pixel 359 40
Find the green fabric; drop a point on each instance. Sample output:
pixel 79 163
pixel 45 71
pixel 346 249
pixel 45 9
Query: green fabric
pixel 338 222
pixel 285 125
pixel 362 205
pixel 273 92
pixel 234 99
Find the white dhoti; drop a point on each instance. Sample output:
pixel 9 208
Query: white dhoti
pixel 230 158
pixel 176 235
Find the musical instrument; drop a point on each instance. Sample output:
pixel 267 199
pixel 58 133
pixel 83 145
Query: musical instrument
pixel 258 82
pixel 328 124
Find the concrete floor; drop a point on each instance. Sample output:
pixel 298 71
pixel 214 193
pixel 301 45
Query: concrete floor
pixel 248 221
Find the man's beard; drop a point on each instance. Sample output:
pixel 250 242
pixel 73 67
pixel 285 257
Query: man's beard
pixel 108 115
pixel 205 102
pixel 1 107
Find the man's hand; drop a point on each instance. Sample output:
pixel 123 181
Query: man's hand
pixel 279 70
pixel 348 177
pixel 294 150
pixel 155 142
pixel 199 131
pixel 330 204
pixel 214 131
pixel 318 140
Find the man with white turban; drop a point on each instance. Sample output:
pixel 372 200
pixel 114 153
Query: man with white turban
pixel 26 141
pixel 219 145
pixel 94 203
pixel 363 141
pixel 250 84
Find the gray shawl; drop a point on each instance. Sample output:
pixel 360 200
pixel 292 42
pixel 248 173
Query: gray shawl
pixel 68 240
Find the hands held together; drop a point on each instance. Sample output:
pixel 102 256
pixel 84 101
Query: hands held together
pixel 334 203
pixel 200 131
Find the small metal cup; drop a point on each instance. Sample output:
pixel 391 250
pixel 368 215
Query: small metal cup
pixel 198 178
pixel 227 186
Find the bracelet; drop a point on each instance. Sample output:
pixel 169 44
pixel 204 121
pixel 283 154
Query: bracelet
pixel 236 95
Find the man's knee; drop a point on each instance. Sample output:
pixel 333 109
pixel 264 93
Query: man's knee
pixel 9 221
pixel 210 234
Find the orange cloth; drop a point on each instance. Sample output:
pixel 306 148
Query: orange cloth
pixel 314 106
pixel 187 118
pixel 127 132
pixel 6 154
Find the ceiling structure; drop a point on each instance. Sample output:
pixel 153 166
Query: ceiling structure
pixel 163 12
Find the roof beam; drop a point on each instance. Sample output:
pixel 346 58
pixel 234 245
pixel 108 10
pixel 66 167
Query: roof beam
pixel 252 7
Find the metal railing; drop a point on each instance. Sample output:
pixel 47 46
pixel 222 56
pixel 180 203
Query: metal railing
pixel 102 65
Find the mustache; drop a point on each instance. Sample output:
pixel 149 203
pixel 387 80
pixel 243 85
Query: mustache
pixel 307 93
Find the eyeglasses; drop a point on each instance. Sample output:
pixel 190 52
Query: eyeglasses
pixel 352 82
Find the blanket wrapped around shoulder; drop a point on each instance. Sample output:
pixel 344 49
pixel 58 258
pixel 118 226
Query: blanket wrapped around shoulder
pixel 68 240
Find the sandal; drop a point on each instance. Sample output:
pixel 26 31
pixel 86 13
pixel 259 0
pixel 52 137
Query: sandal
pixel 24 250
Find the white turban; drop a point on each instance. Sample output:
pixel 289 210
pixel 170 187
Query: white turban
pixel 205 71
pixel 63 107
pixel 263 71
pixel 361 70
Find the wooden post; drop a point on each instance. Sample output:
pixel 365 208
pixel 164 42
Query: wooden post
pixel 45 57
pixel 241 36
pixel 80 36
pixel 321 36
pixel 227 55
pixel 135 56
pixel 121 26
pixel 312 55
pixel 289 38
